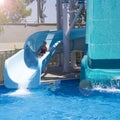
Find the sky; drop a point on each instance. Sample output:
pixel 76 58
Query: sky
pixel 50 12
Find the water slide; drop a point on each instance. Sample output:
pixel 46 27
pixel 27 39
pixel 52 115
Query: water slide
pixel 24 69
pixel 102 55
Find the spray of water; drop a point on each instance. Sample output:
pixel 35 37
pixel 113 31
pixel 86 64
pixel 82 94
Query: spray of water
pixel 108 89
pixel 22 90
pixel 112 85
pixel 19 93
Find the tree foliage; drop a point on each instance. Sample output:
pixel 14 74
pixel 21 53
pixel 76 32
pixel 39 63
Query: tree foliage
pixel 75 5
pixel 27 2
pixel 13 11
pixel 82 16
pixel 40 9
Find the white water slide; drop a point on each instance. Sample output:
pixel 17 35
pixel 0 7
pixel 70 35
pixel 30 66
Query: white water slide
pixel 24 68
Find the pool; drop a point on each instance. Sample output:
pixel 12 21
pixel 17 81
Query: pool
pixel 60 100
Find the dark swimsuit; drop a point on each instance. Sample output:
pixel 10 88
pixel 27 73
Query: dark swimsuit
pixel 43 50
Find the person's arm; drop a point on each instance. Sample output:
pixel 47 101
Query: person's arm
pixel 46 49
pixel 38 51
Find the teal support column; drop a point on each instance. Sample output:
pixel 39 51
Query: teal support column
pixel 102 59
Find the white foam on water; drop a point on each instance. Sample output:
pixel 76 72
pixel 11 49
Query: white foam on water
pixel 116 78
pixel 22 89
pixel 108 89
pixel 19 93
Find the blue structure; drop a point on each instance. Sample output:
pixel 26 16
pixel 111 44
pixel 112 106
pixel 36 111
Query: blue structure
pixel 81 1
pixel 67 1
pixel 101 61
pixel 24 69
pixel 102 55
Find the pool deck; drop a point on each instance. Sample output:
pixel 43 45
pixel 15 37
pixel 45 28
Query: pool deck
pixel 56 73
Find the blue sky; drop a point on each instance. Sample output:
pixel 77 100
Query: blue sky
pixel 50 12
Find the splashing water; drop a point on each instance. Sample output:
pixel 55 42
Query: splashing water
pixel 19 93
pixel 23 84
pixel 22 89
pixel 108 89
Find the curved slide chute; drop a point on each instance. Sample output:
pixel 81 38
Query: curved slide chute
pixel 23 70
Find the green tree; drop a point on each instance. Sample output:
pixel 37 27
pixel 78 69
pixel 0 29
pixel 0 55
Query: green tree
pixel 82 16
pixel 27 2
pixel 13 11
pixel 3 20
pixel 74 6
pixel 41 9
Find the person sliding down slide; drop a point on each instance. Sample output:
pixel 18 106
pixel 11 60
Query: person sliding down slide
pixel 42 50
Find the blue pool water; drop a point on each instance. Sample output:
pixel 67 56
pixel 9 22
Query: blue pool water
pixel 62 100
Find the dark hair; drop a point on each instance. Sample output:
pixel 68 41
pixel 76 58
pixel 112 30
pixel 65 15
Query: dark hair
pixel 44 42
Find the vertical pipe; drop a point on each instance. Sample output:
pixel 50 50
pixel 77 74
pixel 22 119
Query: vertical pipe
pixel 59 14
pixel 38 11
pixel 65 37
pixel 59 26
pixel 73 59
